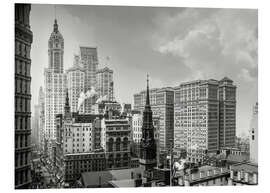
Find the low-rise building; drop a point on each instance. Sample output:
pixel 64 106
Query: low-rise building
pixel 115 140
pixel 204 176
pixel 243 174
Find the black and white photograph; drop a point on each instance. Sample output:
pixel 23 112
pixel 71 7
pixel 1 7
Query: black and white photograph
pixel 115 96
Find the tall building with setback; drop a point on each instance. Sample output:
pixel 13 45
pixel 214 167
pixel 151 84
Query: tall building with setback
pixel 162 105
pixel 148 147
pixel 75 85
pixel 227 113
pixel 23 41
pixel 198 114
pixel 55 82
pixel 89 62
pixel 253 135
pixel 105 83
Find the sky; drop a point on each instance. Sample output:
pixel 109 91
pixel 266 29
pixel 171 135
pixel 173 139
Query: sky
pixel 173 45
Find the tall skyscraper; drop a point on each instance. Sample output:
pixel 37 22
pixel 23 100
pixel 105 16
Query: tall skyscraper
pixel 162 103
pixel 105 83
pixel 41 104
pixel 89 62
pixel 227 113
pixel 75 85
pixel 253 135
pixel 55 82
pixel 148 148
pixel 198 116
pixel 23 41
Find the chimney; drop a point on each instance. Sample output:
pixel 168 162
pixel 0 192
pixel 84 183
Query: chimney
pixel 192 176
pixel 246 179
pixel 238 175
pixel 215 171
pixel 255 178
pixel 221 170
pixel 231 174
pixel 242 174
pixel 201 174
pixel 209 172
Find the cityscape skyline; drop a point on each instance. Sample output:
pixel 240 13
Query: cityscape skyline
pixel 178 69
pixel 84 132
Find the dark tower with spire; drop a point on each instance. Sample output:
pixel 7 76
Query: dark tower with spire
pixel 148 148
pixel 67 113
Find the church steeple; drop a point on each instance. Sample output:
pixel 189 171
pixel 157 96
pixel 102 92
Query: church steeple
pixel 67 113
pixel 148 145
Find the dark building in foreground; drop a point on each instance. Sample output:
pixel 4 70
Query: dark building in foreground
pixel 148 157
pixel 23 41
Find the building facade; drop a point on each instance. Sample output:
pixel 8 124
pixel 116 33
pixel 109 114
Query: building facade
pixel 105 83
pixel 253 135
pixel 23 41
pixel 227 113
pixel 89 62
pixel 35 127
pixel 75 85
pixel 200 108
pixel 55 82
pixel 115 140
pixel 162 105
pixel 243 174
pixel 41 104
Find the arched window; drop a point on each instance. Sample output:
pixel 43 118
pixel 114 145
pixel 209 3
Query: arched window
pixel 118 143
pixel 125 144
pixel 110 145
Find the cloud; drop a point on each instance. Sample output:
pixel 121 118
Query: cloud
pixel 245 75
pixel 216 44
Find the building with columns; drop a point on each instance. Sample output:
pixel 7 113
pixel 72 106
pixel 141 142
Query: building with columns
pixel 23 41
pixel 55 82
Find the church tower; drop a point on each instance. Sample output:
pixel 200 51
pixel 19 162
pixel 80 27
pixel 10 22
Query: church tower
pixel 148 158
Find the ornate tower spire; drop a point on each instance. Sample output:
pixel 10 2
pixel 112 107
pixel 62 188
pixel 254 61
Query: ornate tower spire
pixel 67 107
pixel 148 145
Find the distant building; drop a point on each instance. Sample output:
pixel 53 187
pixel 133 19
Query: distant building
pixel 35 126
pixel 41 104
pixel 162 105
pixel 75 85
pixel 55 82
pixel 204 113
pixel 105 83
pixel 89 62
pixel 22 119
pixel 253 135
pixel 243 174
